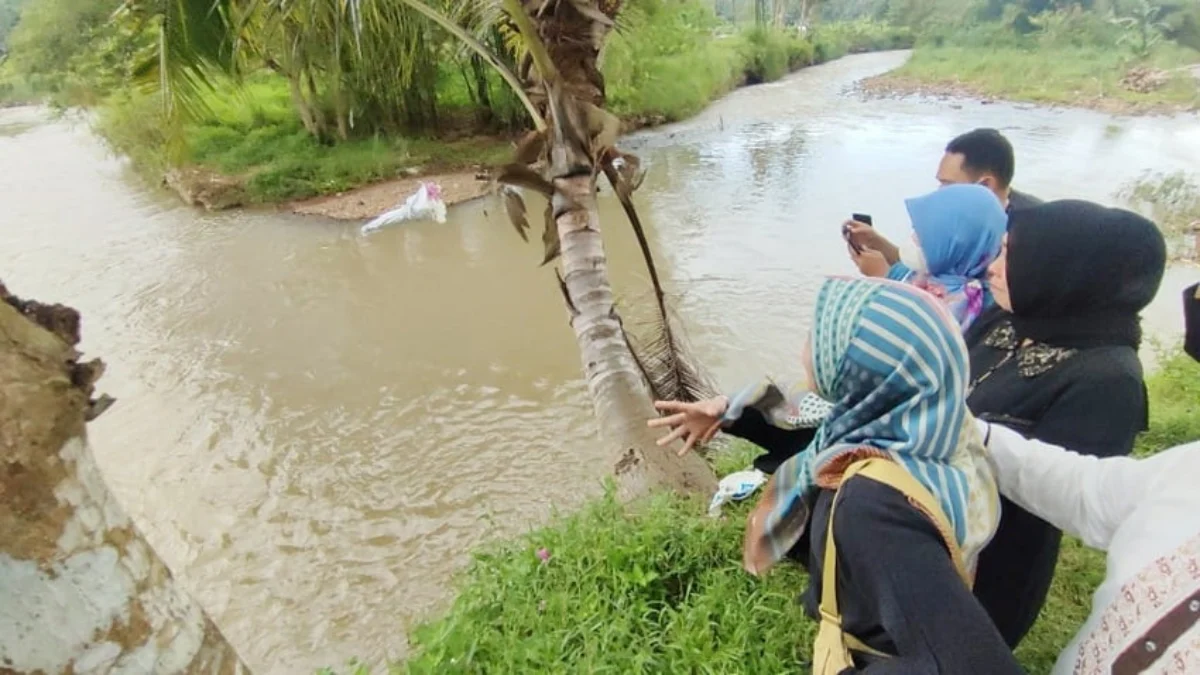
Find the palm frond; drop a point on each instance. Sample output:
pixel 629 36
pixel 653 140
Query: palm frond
pixel 195 39
pixel 465 36
pixel 666 360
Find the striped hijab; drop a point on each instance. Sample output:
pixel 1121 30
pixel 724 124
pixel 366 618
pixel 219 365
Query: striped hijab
pixel 891 360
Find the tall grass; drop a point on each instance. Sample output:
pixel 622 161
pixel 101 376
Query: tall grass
pixel 252 132
pixel 671 60
pixel 658 588
pixel 1071 57
pixel 1065 75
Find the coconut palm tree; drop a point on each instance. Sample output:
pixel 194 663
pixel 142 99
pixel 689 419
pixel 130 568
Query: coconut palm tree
pixel 81 588
pixel 573 143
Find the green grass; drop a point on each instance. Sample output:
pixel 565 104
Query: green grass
pixel 1067 75
pixel 668 66
pixel 657 587
pixel 252 131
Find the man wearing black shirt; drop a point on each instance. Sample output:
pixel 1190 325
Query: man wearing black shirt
pixel 982 156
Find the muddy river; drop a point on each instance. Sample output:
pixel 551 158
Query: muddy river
pixel 314 429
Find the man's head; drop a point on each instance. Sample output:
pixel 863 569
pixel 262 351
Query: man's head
pixel 982 156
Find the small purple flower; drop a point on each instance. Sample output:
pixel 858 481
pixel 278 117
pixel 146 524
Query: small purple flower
pixel 543 554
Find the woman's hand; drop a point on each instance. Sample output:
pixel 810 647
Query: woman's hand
pixel 756 555
pixel 695 423
pixel 867 237
pixel 870 262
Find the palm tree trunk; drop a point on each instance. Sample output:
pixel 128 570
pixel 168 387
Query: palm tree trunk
pixel 617 386
pixel 565 44
pixel 80 589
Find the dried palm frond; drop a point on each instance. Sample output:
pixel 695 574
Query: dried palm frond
pixel 666 360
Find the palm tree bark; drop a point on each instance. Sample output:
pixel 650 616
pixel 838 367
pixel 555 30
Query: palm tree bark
pixel 572 39
pixel 617 386
pixel 80 589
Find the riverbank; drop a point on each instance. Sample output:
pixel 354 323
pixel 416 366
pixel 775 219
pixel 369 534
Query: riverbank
pixel 659 586
pixel 1097 78
pixel 250 142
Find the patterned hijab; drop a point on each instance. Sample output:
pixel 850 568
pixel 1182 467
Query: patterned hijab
pixel 959 229
pixel 892 362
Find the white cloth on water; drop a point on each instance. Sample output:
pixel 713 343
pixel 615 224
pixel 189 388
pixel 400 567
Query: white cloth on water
pixel 426 202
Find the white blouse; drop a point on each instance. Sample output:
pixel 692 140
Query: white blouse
pixel 1146 514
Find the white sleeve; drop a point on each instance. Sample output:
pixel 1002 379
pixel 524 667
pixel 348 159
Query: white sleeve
pixel 1082 495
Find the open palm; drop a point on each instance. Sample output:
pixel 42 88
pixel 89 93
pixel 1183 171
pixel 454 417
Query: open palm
pixel 696 423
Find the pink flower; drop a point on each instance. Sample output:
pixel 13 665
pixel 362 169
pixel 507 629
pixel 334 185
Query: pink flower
pixel 543 554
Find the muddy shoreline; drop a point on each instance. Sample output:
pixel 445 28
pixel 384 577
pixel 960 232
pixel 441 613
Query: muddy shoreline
pixel 893 85
pixel 458 186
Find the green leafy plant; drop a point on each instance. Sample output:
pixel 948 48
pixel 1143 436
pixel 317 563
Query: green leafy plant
pixel 1141 29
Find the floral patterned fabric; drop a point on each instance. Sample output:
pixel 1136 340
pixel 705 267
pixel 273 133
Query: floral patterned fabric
pixel 1144 600
pixel 1032 359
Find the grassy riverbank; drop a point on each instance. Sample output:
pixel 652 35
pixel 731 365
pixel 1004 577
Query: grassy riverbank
pixel 1074 59
pixel 665 67
pixel 658 587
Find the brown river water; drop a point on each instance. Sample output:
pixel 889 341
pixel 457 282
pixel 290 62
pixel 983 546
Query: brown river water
pixel 314 429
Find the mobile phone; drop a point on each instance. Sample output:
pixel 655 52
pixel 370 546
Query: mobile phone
pixel 862 218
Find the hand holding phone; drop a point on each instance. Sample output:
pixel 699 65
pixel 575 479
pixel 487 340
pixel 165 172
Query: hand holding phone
pixel 857 217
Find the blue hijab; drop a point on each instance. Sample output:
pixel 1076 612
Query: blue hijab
pixel 892 362
pixel 960 229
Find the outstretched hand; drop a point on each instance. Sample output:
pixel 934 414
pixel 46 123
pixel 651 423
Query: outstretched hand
pixel 696 423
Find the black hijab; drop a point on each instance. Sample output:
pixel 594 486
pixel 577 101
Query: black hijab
pixel 1191 321
pixel 1080 273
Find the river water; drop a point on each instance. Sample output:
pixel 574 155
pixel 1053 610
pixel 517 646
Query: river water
pixel 313 429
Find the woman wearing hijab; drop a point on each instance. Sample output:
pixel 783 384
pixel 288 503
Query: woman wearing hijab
pixel 957 232
pixel 1057 361
pixel 895 486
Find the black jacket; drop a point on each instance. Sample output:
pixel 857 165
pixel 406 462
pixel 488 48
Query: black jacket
pixel 1093 402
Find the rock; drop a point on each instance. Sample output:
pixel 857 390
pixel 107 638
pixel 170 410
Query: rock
pixel 1144 80
pixel 201 187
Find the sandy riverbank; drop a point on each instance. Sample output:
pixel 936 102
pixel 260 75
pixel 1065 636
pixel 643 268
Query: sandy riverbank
pixel 371 200
pixel 460 186
pixel 897 85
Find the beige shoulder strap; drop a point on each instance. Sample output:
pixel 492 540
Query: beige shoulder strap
pixel 831 652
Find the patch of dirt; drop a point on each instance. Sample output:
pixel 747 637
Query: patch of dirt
pixel 201 187
pixel 892 86
pixel 1145 80
pixel 370 201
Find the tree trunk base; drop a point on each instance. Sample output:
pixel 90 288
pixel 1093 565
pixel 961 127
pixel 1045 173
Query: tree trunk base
pixel 80 589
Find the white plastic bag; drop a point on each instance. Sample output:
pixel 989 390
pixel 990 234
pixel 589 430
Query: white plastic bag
pixel 426 202
pixel 735 487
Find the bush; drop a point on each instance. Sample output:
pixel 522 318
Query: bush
pixel 1171 200
pixel 800 54
pixel 766 55
pixel 863 35
pixel 667 62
